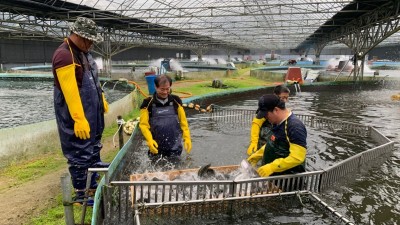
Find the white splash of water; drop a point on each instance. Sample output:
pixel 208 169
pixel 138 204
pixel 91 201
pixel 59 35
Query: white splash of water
pixel 175 65
pixel 209 61
pixel 221 60
pixel 333 64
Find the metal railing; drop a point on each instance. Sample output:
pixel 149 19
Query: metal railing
pixel 127 202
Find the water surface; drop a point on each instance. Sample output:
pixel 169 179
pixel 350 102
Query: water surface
pixel 26 102
pixel 370 197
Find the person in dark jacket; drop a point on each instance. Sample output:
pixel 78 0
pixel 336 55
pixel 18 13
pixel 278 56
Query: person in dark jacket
pixel 79 103
pixel 163 122
pixel 285 151
pixel 260 127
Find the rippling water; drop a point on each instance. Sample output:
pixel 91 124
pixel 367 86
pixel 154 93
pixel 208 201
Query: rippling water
pixel 26 102
pixel 371 197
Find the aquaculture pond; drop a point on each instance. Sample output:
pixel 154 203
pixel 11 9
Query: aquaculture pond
pixel 25 102
pixel 368 197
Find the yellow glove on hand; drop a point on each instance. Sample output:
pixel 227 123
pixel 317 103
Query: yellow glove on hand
pixel 187 142
pixel 188 145
pixel 252 148
pixel 153 146
pixel 296 157
pixel 254 134
pixel 145 128
pixel 255 157
pixel 265 171
pixel 105 103
pixel 69 88
pixel 82 129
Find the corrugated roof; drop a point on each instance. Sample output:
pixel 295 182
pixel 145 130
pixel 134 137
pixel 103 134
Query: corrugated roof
pixel 246 24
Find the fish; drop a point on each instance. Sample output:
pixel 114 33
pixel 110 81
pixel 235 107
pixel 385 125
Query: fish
pixel 246 171
pixel 246 166
pixel 205 172
pixel 143 200
pixel 156 179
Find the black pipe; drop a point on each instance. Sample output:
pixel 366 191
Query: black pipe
pixel 120 131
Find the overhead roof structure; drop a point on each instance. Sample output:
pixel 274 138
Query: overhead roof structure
pixel 252 24
pixel 379 14
pixel 241 24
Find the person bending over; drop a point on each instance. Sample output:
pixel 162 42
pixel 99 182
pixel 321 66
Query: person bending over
pixel 285 150
pixel 260 128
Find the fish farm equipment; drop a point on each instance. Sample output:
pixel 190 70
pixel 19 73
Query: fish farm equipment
pixel 144 199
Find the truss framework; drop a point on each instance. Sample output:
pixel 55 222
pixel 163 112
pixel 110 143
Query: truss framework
pixel 206 24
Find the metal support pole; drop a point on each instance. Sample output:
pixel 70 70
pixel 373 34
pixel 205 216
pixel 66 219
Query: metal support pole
pixel 362 68
pixel 101 170
pixel 86 198
pixel 120 131
pixel 67 199
pixel 355 68
pixel 317 60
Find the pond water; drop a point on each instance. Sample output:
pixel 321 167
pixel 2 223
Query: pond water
pixel 26 102
pixel 371 197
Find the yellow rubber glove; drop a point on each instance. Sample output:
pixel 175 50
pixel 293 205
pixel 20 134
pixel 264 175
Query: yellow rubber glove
pixel 252 148
pixel 256 156
pixel 69 88
pixel 187 141
pixel 254 134
pixel 188 145
pixel 105 103
pixel 153 146
pixel 296 157
pixel 265 171
pixel 145 128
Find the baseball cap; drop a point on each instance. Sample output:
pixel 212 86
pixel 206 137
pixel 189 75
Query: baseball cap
pixel 86 28
pixel 267 103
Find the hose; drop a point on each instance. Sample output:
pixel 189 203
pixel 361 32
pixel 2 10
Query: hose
pixel 138 87
pixel 188 94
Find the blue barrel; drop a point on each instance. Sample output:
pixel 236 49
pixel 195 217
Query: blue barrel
pixel 150 83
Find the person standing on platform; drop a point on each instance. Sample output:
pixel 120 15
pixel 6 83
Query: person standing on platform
pixel 79 103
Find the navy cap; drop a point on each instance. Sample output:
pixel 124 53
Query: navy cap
pixel 267 103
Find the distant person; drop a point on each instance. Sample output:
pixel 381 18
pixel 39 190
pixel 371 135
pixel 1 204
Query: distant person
pixel 283 92
pixel 285 150
pixel 163 122
pixel 79 103
pixel 260 127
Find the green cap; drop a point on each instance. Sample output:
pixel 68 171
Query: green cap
pixel 86 28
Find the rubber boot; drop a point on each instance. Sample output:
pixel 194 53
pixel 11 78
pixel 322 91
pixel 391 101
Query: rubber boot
pixel 79 198
pixel 97 163
pixel 78 176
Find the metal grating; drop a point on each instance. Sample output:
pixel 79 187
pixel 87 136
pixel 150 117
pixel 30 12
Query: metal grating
pixel 127 202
